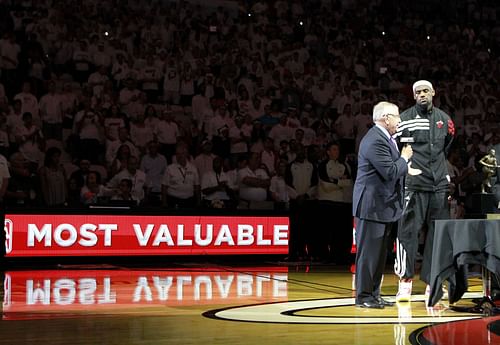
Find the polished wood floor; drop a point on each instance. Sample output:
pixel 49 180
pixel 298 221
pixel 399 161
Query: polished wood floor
pixel 207 303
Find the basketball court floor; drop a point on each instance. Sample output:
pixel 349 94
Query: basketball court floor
pixel 222 303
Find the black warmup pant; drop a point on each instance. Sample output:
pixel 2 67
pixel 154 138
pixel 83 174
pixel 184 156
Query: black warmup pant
pixel 421 208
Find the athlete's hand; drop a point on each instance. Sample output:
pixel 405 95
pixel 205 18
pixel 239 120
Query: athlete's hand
pixel 412 171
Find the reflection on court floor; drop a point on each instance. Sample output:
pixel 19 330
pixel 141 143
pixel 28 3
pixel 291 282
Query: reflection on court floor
pixel 228 303
pixel 30 294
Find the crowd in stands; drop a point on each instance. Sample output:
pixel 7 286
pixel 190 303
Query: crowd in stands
pixel 250 104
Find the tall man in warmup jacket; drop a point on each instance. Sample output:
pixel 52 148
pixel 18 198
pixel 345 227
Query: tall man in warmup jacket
pixel 431 131
pixel 377 201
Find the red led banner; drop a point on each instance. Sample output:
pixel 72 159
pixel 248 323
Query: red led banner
pixel 69 293
pixel 118 235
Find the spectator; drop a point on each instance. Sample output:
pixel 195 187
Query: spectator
pixel 253 184
pixel 82 62
pixel 53 179
pixel 120 162
pixel 301 177
pixel 120 69
pixel 186 88
pixel 23 187
pixel 171 82
pixel 281 131
pixel 167 133
pixel 308 133
pixel 14 120
pixel 97 80
pixel 181 182
pixel 9 59
pixel 113 121
pixel 200 105
pixel 219 121
pixel 129 94
pixel 204 161
pixel 153 164
pixel 362 123
pixel 281 194
pixel 88 127
pixel 137 179
pixel 150 77
pixel 69 104
pixel 269 157
pixel 93 191
pixel 216 187
pixel 30 141
pixel 51 113
pixel 141 133
pixel 344 126
pixel 150 117
pixel 334 185
pixel 29 102
pixel 101 57
pixel 239 135
pixel 80 175
pixel 124 192
pixel 114 146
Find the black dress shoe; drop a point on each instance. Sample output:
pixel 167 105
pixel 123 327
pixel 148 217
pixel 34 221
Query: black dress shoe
pixel 370 304
pixel 384 302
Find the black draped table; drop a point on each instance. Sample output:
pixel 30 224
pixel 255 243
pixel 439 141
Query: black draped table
pixel 458 242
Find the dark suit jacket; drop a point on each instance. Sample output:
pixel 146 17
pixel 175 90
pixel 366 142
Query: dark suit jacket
pixel 379 188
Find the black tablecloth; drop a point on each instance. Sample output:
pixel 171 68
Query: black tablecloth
pixel 457 243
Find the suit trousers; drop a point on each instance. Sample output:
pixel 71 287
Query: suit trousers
pixel 372 239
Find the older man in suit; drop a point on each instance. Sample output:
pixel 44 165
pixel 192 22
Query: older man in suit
pixel 377 201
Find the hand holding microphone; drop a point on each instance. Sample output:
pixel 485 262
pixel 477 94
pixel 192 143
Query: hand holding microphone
pixel 408 150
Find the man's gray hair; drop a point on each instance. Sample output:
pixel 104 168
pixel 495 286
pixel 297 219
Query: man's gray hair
pixel 384 108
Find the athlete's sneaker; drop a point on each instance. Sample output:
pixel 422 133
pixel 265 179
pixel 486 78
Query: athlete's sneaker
pixel 404 291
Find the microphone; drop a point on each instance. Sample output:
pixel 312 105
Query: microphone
pixel 406 140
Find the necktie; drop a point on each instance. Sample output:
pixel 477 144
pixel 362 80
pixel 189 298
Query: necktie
pixel 393 142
